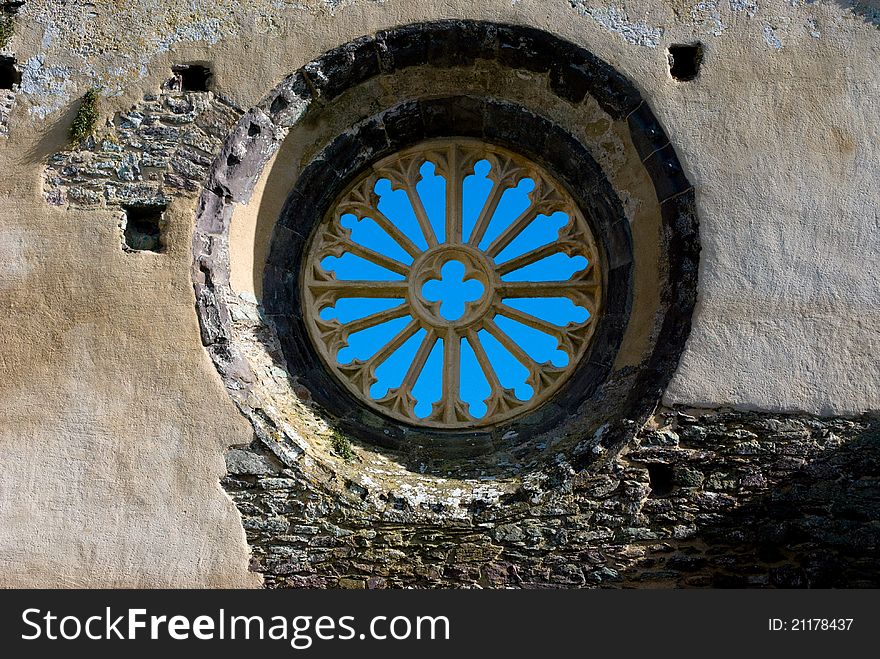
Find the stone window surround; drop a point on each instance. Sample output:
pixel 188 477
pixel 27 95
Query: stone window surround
pixel 318 186
pixel 573 73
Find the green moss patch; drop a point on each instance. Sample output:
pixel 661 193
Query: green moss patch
pixel 86 117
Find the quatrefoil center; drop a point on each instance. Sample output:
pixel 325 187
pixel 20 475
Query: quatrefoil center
pixel 452 290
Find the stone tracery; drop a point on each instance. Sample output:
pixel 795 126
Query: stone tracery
pixel 483 262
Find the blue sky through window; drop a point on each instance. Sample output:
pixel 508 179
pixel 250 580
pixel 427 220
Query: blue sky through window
pixel 452 291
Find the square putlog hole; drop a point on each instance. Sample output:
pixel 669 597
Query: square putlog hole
pixel 192 77
pixel 662 479
pixel 685 60
pixel 10 76
pixel 143 228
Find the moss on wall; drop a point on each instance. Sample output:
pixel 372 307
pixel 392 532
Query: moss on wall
pixel 342 446
pixel 86 117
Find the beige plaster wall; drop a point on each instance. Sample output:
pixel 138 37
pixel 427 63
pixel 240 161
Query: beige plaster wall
pixel 113 422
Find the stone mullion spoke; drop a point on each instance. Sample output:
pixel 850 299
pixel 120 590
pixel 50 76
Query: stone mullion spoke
pixel 391 229
pixel 516 227
pixel 335 335
pixel 418 363
pixel 400 399
pixel 500 399
pixel 540 375
pixel 527 259
pixel 534 322
pixel 582 293
pixel 360 288
pixel 451 374
pixel 421 215
pixel 487 212
pixel 375 257
pixel 512 347
pixel 399 339
pixel 363 373
pixel 404 175
pixel 372 320
pixel 483 361
pixel 454 182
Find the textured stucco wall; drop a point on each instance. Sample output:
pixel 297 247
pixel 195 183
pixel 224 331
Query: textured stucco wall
pixel 114 423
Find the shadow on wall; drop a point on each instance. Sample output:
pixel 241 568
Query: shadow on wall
pixel 869 10
pixel 724 499
pixel 817 527
pixel 54 139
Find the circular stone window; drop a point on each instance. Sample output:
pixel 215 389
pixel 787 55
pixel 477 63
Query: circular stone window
pixel 480 250
pixel 451 289
pixel 452 285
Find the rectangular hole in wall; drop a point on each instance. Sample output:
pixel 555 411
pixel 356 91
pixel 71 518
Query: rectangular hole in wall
pixel 192 77
pixel 662 479
pixel 685 60
pixel 142 228
pixel 10 76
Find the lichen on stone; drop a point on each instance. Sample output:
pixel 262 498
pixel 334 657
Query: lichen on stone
pixel 617 20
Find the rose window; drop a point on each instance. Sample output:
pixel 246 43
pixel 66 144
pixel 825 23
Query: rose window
pixel 452 285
